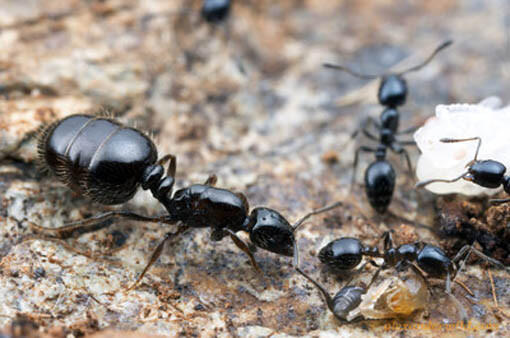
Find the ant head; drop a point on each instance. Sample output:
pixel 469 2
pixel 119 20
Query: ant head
pixel 215 11
pixel 392 90
pixel 506 184
pixel 270 231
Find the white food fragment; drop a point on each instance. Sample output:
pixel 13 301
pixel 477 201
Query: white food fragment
pixel 439 160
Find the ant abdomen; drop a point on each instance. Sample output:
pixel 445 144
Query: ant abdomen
pixel 96 156
pixel 346 300
pixel 269 230
pixel 379 184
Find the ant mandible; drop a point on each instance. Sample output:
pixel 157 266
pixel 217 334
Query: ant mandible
pixel 346 253
pixel 107 162
pixel 485 173
pixel 380 176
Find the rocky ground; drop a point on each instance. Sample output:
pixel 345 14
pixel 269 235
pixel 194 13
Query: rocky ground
pixel 252 104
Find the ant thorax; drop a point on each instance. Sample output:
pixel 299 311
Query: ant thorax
pixel 449 160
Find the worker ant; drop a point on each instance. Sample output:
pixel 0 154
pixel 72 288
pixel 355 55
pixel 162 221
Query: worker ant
pixel 485 173
pixel 380 176
pixel 215 11
pixel 107 162
pixel 346 253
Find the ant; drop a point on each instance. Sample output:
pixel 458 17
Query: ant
pixel 106 162
pixel 380 176
pixel 215 11
pixel 485 173
pixel 346 253
pixel 345 300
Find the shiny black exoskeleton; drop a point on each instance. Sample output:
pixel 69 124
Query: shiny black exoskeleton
pixel 380 175
pixel 215 11
pixel 346 253
pixel 106 161
pixel 97 156
pixel 344 301
pixel 485 173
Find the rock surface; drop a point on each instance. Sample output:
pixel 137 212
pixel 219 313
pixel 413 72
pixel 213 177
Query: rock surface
pixel 258 110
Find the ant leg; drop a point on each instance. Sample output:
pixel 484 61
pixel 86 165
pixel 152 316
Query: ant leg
pixel 94 223
pixel 388 240
pixel 211 180
pixel 374 277
pixel 172 166
pixel 244 247
pixel 480 254
pixel 499 200
pixel 315 212
pixel 420 273
pixel 364 125
pixel 408 131
pixel 356 159
pixel 407 143
pixel 155 255
pixel 327 296
pixel 397 148
pixel 448 290
pixel 370 135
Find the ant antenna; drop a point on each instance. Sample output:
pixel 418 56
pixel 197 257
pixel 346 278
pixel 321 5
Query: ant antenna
pixel 453 140
pixel 427 60
pixel 315 212
pixel 412 69
pixel 350 71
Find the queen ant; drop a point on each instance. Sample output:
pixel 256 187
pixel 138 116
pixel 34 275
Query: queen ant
pixel 346 253
pixel 107 162
pixel 380 176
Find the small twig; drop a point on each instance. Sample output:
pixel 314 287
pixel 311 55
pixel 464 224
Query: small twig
pixel 464 286
pixel 493 288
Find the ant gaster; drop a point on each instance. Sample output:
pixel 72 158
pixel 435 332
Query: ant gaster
pixel 215 11
pixel 485 173
pixel 380 176
pixel 107 162
pixel 346 253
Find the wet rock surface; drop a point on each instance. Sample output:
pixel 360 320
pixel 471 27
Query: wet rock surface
pixel 260 112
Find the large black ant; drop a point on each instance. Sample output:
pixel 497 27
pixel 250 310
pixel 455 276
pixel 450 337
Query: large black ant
pixel 107 162
pixel 345 253
pixel 485 173
pixel 380 176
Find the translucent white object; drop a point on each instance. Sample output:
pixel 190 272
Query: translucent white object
pixel 448 160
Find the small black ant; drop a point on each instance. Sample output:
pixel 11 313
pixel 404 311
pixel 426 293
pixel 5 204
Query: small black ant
pixel 215 11
pixel 380 176
pixel 485 173
pixel 346 253
pixel 344 301
pixel 107 162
